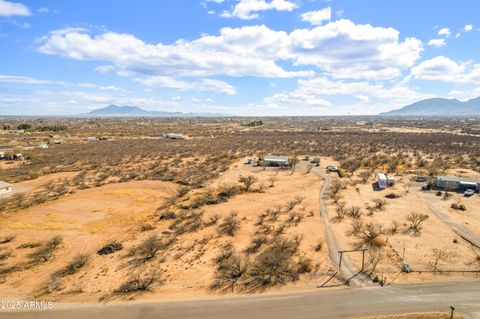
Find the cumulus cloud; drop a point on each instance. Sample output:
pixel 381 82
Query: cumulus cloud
pixel 8 9
pixel 349 50
pixel 444 32
pixel 201 85
pixel 468 28
pixel 444 69
pixel 317 17
pixel 437 42
pixel 248 9
pixel 341 48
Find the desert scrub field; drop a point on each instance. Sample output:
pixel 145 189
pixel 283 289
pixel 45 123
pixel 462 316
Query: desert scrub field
pixel 249 230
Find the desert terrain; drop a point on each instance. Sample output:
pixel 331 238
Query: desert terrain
pixel 136 216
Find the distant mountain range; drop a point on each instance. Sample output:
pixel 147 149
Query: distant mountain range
pixel 135 111
pixel 439 107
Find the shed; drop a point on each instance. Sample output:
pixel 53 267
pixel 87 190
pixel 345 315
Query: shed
pixel 390 180
pixel 5 188
pixel 91 138
pixel 382 181
pixel 276 161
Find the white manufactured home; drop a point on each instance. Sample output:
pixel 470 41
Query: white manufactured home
pixel 5 188
pixel 276 161
pixel 382 181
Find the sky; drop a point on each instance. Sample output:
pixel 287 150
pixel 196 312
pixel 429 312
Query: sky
pixel 236 57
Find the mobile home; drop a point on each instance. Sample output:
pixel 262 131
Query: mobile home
pixel 382 181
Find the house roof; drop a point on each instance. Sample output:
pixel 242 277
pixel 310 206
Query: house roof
pixel 4 185
pixel 458 179
pixel 381 176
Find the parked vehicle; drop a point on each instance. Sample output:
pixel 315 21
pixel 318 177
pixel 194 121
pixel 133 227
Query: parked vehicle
pixel 469 192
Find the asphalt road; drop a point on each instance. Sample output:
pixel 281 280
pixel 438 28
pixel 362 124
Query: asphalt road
pixel 337 303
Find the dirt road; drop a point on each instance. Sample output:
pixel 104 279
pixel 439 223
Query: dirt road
pixel 348 271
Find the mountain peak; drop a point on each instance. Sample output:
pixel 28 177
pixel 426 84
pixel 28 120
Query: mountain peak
pixel 439 107
pixel 135 111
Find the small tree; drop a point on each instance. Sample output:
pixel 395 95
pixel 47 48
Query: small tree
pixel 272 179
pixel 292 163
pixel 438 256
pixel 365 175
pixel 416 220
pixel 309 168
pixel 247 181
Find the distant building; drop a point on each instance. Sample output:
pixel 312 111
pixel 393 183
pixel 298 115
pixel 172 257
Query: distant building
pixel 276 161
pixel 5 188
pixel 43 146
pixel 456 183
pixel 18 157
pixel 390 180
pixel 55 141
pixel 382 181
pixel 91 138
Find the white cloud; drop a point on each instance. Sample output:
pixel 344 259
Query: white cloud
pixel 8 9
pixel 201 85
pixel 444 69
pixel 468 28
pixel 102 69
pixel 444 32
pixel 248 9
pixel 317 17
pixel 341 48
pixel 210 12
pixel 349 50
pixel 216 1
pixel 437 42
pixel 15 79
pixel 43 10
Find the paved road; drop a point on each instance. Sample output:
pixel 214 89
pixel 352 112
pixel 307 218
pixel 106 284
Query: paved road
pixel 338 303
pixel 458 229
pixel 348 270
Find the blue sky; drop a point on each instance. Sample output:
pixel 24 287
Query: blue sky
pixel 242 57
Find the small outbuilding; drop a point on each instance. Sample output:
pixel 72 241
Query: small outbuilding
pixel 5 188
pixel 91 138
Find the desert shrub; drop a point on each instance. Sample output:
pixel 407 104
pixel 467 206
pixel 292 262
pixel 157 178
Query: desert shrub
pixel 138 283
pixel 393 228
pixel 230 271
pixel 227 190
pixel 7 239
pixel 30 245
pixel 275 265
pixel 73 266
pixel 355 212
pixel 379 204
pixel 368 237
pixel 46 251
pixel 229 226
pixel 341 213
pixel 415 222
pixel 167 216
pixel 5 255
pixel 304 265
pixel 110 248
pixel 460 207
pixel 187 221
pixel 149 247
pixel 146 227
pixel 247 181
pixel 356 227
pixel 294 218
pixel 225 252
pixel 255 244
pixel 318 247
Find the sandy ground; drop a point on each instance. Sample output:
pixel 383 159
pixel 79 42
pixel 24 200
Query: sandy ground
pixel 417 251
pixel 90 218
pixel 418 316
